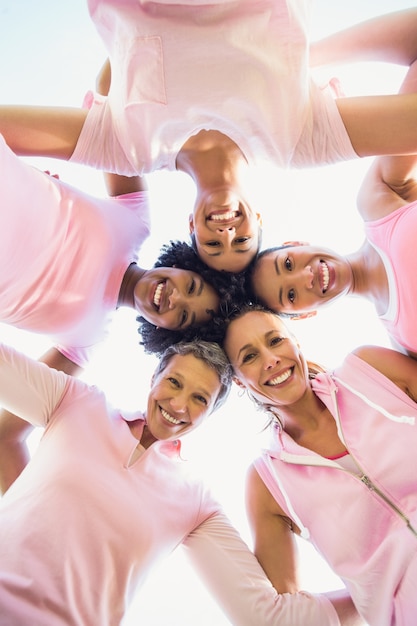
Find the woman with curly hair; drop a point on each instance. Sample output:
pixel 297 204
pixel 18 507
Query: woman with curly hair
pixel 74 263
pixel 230 287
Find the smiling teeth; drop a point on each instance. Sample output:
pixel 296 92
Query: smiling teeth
pixel 280 379
pixel 325 275
pixel 230 215
pixel 157 294
pixel 169 418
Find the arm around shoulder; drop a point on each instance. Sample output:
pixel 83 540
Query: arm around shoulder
pixel 234 577
pixel 275 547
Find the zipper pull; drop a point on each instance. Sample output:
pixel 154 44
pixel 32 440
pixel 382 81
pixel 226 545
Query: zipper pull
pixel 366 481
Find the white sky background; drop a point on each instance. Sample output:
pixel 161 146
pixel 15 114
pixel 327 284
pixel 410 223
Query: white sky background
pixel 50 54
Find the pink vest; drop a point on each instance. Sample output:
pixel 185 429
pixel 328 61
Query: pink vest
pixel 364 526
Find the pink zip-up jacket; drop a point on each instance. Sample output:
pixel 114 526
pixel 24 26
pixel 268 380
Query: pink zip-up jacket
pixel 365 524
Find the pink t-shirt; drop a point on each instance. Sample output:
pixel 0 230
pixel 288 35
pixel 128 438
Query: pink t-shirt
pixel 239 67
pixel 394 238
pixel 83 525
pixel 63 254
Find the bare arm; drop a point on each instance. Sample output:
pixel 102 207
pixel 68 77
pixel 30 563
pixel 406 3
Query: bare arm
pixel 41 131
pixel 391 181
pixel 14 454
pixel 390 38
pixel 275 547
pixel 380 125
pixel 116 184
pixel 103 79
pixel 273 536
pixel 398 367
pixel 377 125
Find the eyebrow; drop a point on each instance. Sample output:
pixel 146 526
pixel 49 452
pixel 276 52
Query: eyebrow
pixel 199 292
pixel 200 288
pixel 279 274
pixel 265 336
pixel 190 323
pixel 201 390
pixel 235 251
pixel 243 348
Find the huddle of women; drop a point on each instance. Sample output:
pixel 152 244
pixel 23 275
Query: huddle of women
pixel 209 89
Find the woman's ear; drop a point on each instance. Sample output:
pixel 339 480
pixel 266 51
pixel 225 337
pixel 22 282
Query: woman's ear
pixel 295 243
pixel 303 316
pixel 238 382
pixel 191 223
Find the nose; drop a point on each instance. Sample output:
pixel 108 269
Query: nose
pixel 308 277
pixel 174 298
pixel 179 403
pixel 270 359
pixel 226 233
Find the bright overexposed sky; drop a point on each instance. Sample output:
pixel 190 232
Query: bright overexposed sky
pixel 50 54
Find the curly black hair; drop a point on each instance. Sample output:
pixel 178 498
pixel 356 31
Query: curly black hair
pixel 229 286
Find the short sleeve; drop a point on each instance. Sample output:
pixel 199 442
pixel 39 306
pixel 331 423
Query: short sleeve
pixel 28 388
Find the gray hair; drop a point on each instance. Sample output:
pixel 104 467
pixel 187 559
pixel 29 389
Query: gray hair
pixel 208 352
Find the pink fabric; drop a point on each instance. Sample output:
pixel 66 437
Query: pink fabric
pixel 394 236
pixel 63 254
pixel 364 540
pixel 82 527
pixel 237 67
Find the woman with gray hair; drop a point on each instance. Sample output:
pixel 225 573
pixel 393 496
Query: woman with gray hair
pixel 105 497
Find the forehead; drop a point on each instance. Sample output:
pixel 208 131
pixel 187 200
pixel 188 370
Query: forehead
pixel 250 327
pixel 269 268
pixel 254 320
pixel 271 256
pixel 174 271
pixel 228 260
pixel 194 372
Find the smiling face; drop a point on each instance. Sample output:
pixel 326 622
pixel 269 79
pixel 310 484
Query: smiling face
pixel 266 359
pixel 298 279
pixel 226 230
pixel 181 396
pixel 175 299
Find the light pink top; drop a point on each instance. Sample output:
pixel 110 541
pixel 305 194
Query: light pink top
pixel 82 526
pixel 369 538
pixel 394 237
pixel 238 67
pixel 63 254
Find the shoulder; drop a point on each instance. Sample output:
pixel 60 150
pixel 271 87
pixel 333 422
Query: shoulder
pixel 378 356
pixel 400 368
pixel 389 184
pixel 258 496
